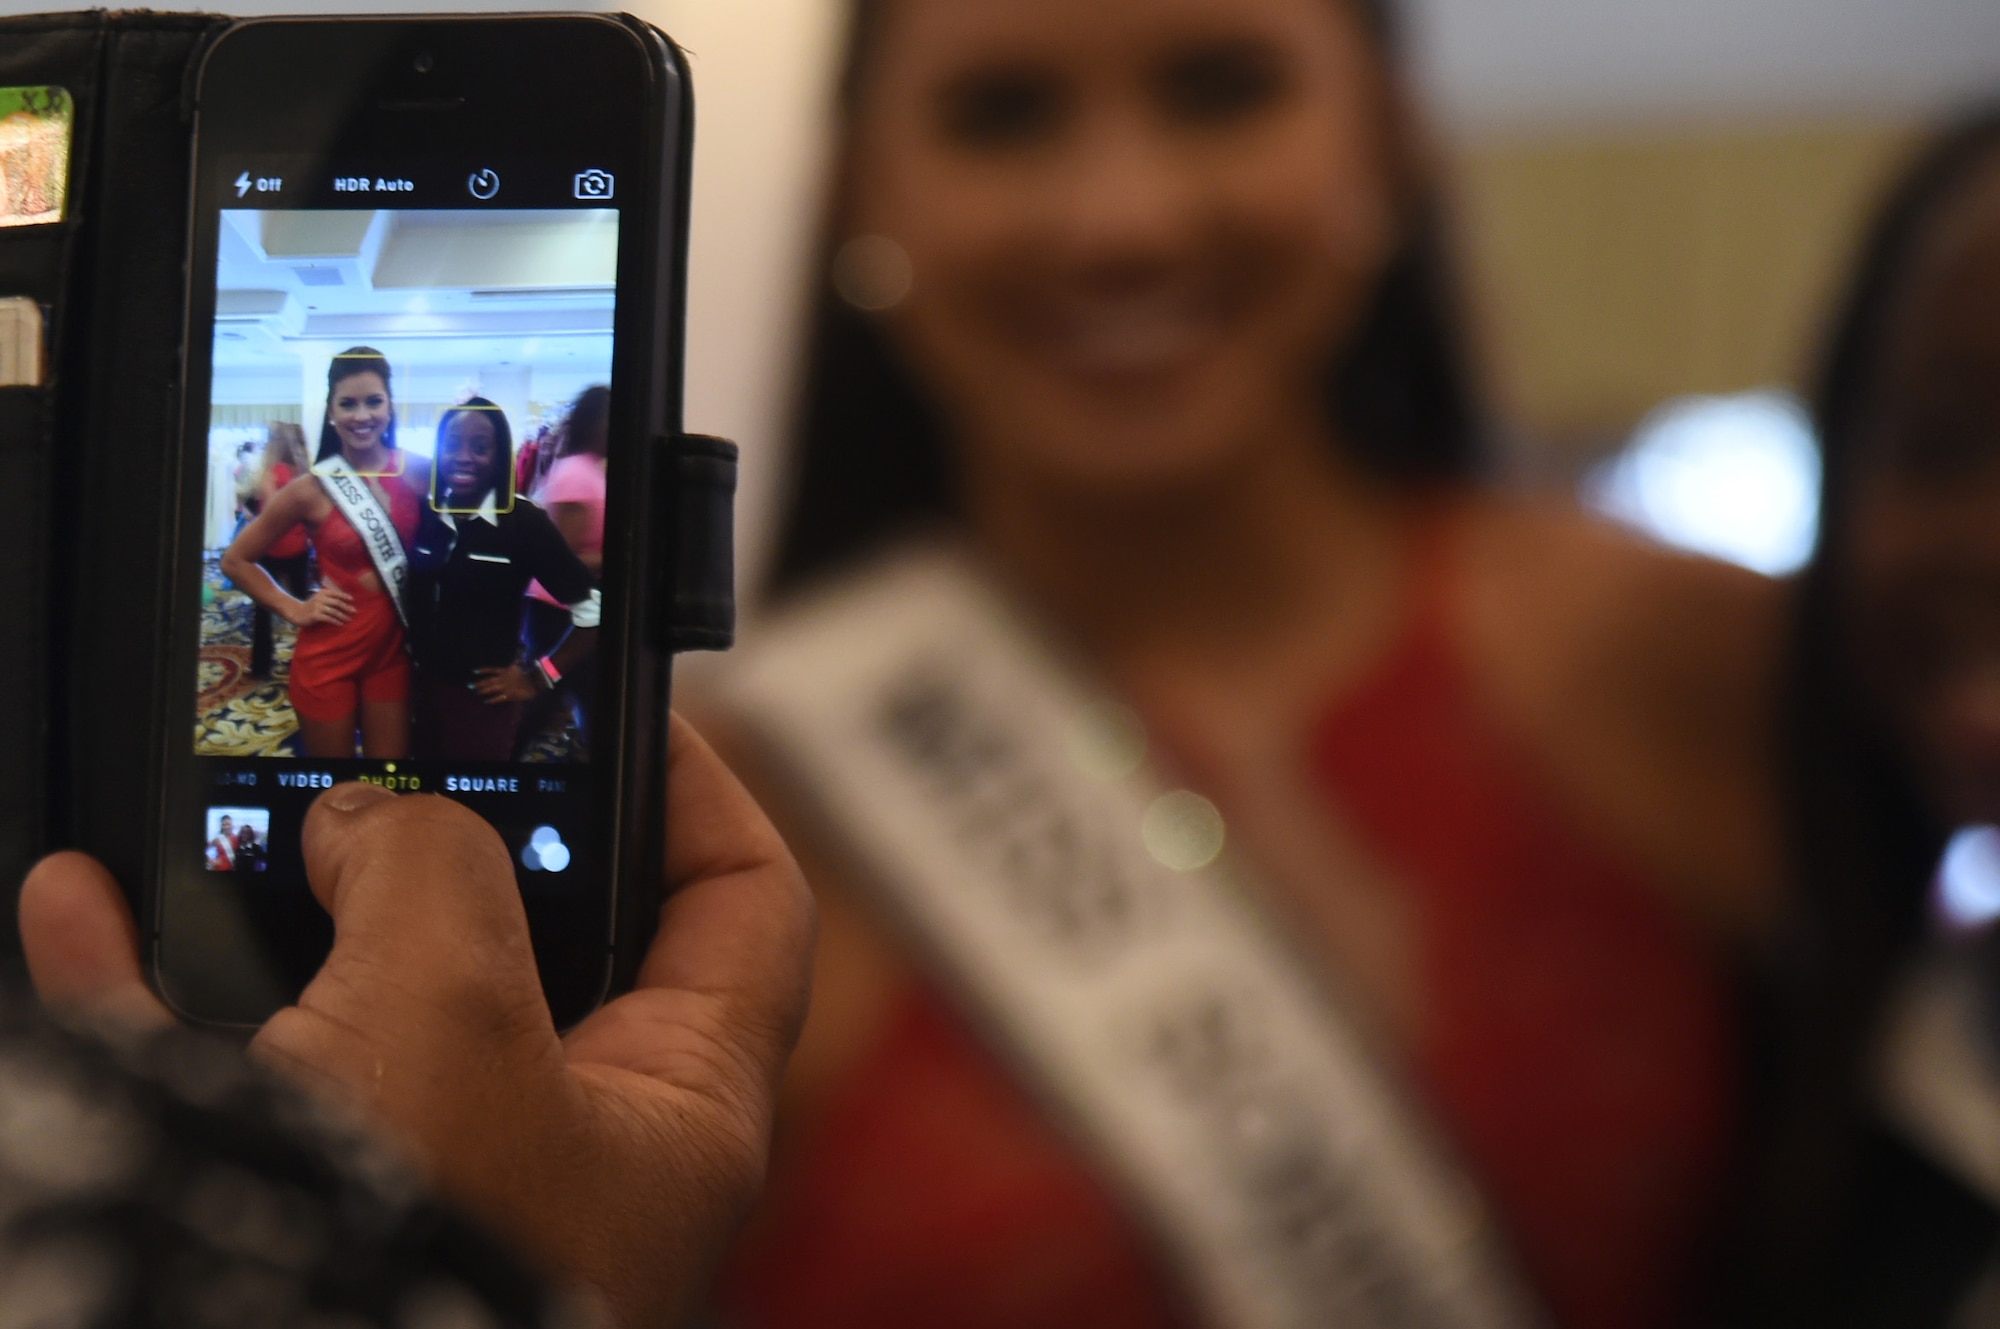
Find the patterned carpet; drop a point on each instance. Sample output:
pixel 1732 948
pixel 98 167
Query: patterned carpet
pixel 559 740
pixel 241 716
pixel 237 715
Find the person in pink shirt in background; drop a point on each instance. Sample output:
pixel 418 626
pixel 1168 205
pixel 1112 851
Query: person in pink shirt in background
pixel 573 495
pixel 573 492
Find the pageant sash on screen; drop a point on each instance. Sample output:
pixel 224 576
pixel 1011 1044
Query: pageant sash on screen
pixel 357 501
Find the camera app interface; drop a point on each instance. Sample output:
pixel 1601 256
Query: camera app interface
pixel 402 533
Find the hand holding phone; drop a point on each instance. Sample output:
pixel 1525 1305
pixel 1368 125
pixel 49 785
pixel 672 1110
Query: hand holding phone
pixel 621 1156
pixel 425 307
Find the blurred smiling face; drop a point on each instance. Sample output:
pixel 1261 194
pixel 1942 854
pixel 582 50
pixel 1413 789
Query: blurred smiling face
pixel 1925 526
pixel 1137 230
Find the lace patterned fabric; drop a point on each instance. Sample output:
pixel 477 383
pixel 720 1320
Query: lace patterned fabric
pixel 167 1180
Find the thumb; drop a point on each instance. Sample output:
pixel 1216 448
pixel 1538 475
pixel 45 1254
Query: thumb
pixel 81 944
pixel 432 972
pixel 428 1014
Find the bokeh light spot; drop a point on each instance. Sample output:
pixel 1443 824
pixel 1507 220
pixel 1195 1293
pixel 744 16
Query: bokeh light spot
pixel 1736 478
pixel 1968 884
pixel 1183 830
pixel 872 273
pixel 1107 742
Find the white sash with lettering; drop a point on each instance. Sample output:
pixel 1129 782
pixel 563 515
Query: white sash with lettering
pixel 1161 1019
pixel 356 499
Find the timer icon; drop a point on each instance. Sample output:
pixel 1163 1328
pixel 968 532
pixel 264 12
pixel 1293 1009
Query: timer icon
pixel 483 183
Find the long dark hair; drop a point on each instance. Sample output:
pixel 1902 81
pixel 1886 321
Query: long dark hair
pixel 1865 844
pixel 589 418
pixel 501 470
pixel 354 360
pixel 872 462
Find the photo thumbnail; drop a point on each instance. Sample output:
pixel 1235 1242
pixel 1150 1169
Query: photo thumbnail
pixel 238 839
pixel 404 503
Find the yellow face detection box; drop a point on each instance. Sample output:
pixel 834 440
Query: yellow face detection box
pixel 35 129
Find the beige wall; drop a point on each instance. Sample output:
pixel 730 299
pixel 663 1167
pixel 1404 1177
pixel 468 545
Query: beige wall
pixel 761 74
pixel 1613 271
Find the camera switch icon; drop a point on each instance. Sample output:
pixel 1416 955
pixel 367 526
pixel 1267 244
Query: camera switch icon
pixel 594 184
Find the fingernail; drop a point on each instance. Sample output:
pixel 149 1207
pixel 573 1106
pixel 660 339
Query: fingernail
pixel 354 797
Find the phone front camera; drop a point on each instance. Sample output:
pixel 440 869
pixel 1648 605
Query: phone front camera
pixel 422 64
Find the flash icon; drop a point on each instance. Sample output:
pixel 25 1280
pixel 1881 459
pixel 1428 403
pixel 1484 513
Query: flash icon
pixel 242 184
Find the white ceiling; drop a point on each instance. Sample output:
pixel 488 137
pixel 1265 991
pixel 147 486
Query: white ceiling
pixel 455 288
pixel 516 304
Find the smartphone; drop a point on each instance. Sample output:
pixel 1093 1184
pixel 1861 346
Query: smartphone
pixel 436 305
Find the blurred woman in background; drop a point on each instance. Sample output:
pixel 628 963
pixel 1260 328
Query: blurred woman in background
pixel 1139 332
pixel 284 461
pixel 573 496
pixel 573 491
pixel 1881 1200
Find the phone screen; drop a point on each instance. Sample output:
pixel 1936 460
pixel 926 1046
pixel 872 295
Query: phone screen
pixel 394 549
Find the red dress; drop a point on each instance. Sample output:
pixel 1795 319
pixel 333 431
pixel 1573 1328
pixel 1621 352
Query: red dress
pixel 337 666
pixel 1577 1051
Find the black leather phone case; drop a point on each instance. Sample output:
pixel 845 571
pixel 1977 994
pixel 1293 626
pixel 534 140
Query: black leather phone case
pixel 88 456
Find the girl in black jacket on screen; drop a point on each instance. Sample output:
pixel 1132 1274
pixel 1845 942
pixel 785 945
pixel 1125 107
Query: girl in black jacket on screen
pixel 479 547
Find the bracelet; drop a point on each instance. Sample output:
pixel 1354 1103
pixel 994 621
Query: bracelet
pixel 546 667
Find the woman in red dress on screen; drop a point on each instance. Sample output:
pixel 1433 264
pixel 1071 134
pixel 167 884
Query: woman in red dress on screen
pixel 350 671
pixel 1138 309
